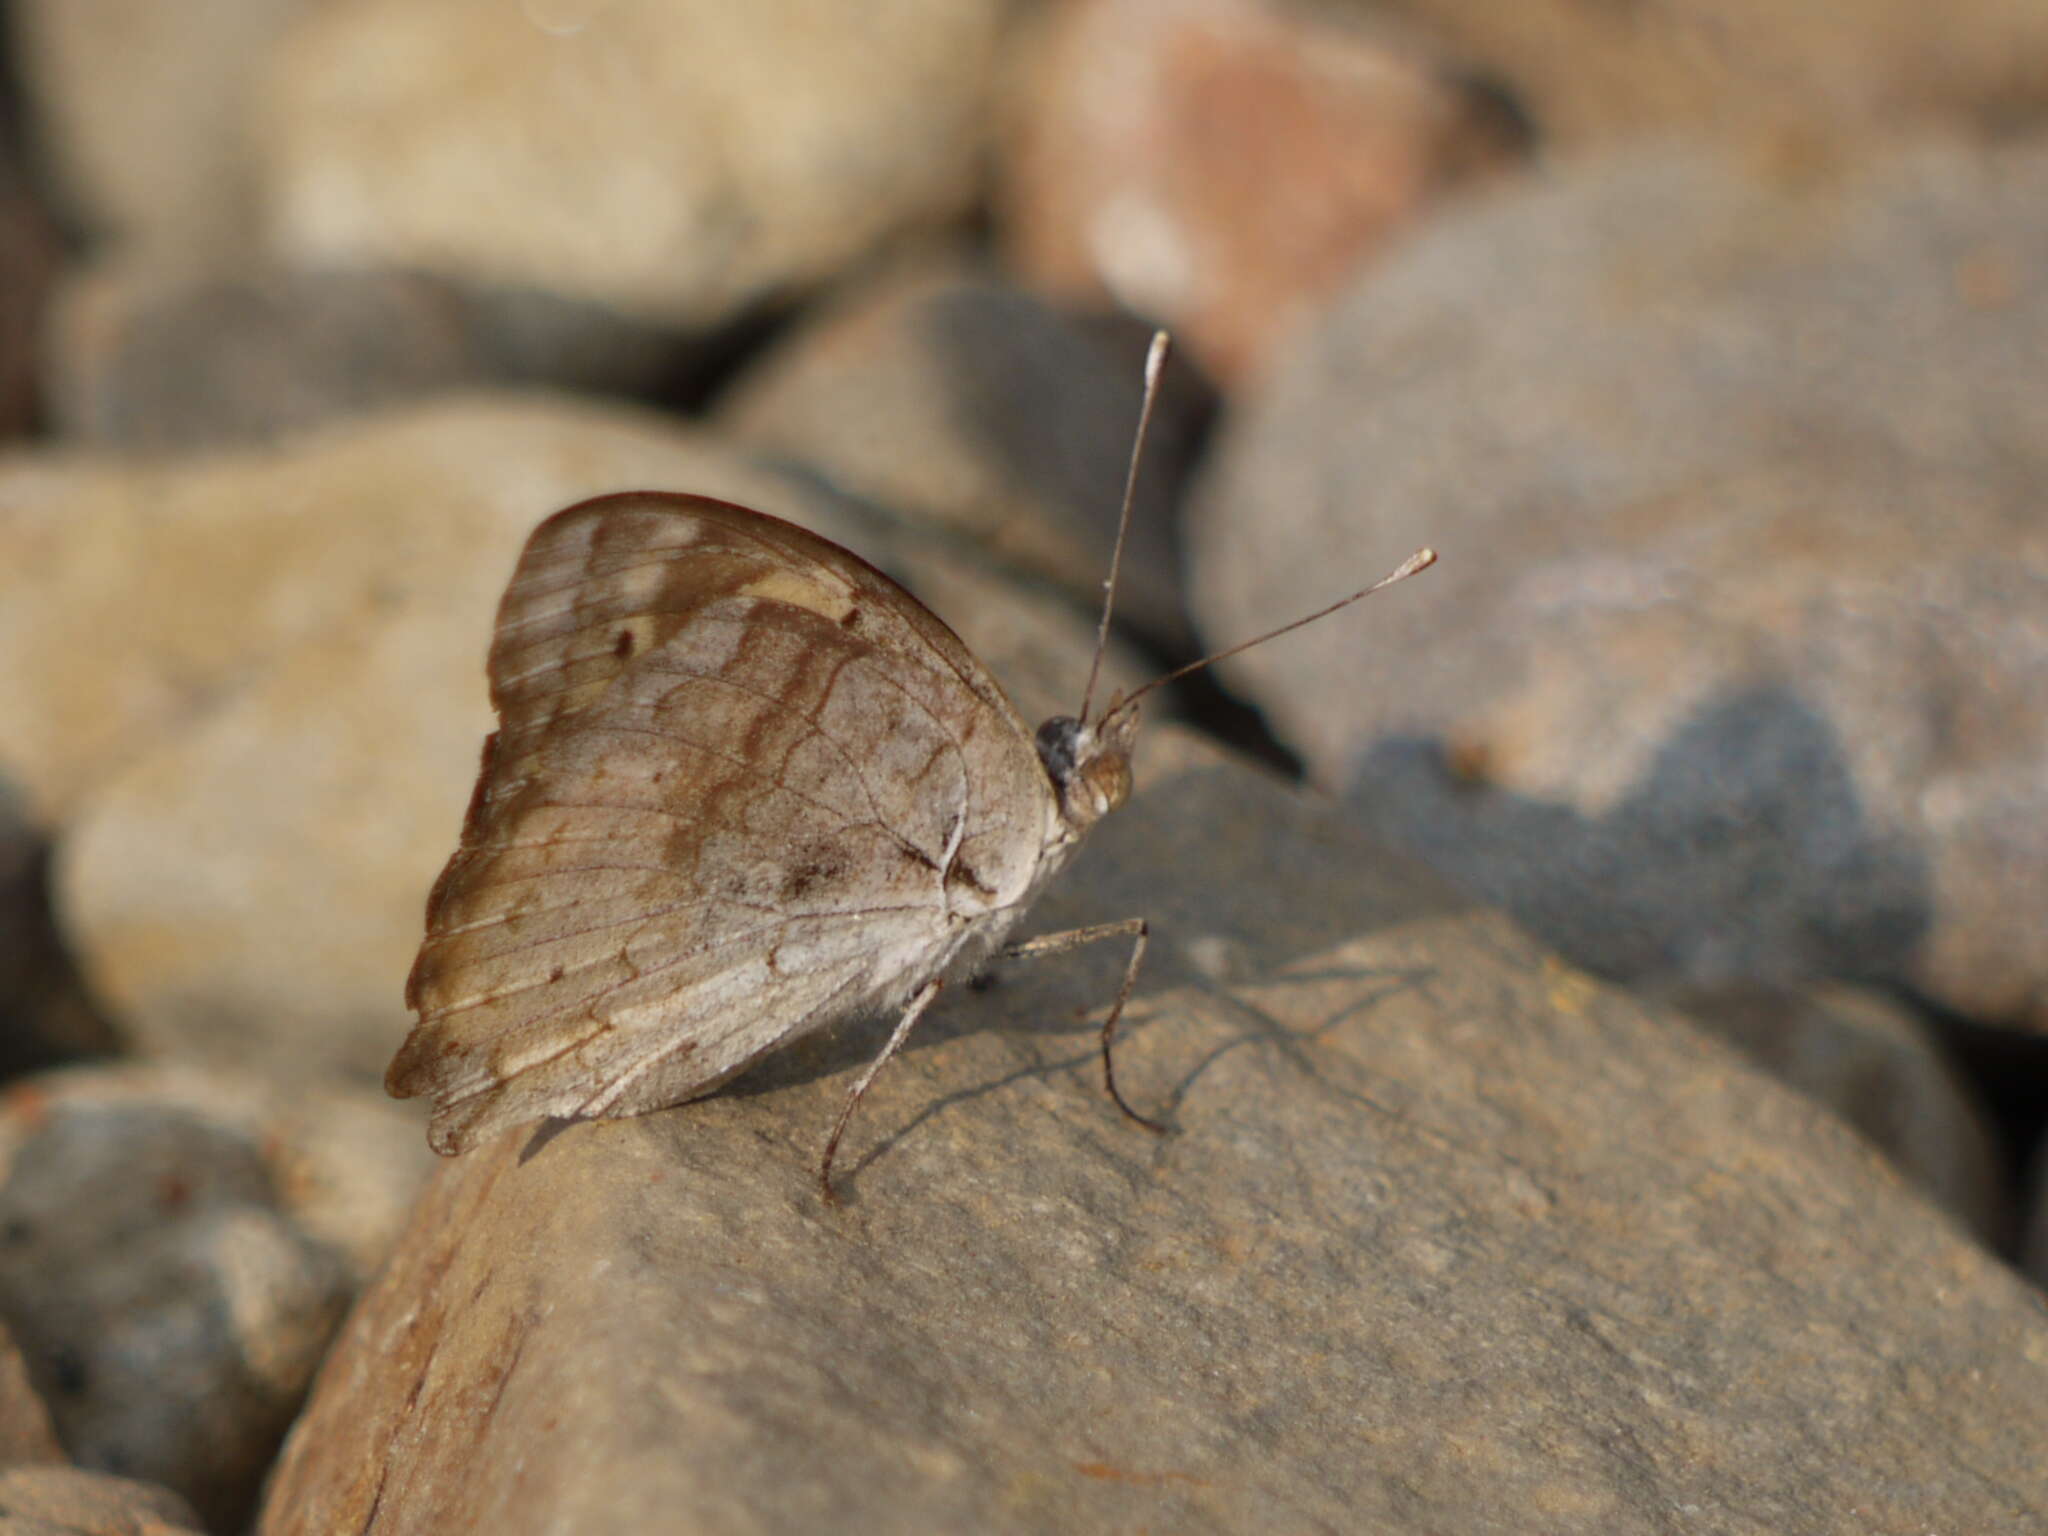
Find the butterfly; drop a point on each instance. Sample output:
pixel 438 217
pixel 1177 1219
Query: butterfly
pixel 744 787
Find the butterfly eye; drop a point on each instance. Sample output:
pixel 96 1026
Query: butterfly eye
pixel 1059 746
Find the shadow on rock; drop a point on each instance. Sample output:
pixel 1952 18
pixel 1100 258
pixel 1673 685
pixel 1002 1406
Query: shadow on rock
pixel 1743 853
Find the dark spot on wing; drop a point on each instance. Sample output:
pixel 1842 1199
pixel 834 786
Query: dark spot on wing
pixel 623 646
pixel 556 974
pixel 812 869
pixel 850 618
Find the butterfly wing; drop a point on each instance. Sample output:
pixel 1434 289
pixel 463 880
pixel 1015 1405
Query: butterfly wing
pixel 743 785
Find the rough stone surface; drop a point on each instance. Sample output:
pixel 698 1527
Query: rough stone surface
pixel 1593 72
pixel 1447 1237
pixel 176 1248
pixel 1736 663
pixel 142 110
pixel 1224 165
pixel 948 393
pixel 678 161
pixel 69 1501
pixel 252 889
pixel 1881 1069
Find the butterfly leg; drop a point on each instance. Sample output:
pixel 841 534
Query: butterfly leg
pixel 1132 928
pixel 911 1013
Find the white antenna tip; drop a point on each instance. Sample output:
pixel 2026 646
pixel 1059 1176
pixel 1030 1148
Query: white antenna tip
pixel 1421 560
pixel 1155 360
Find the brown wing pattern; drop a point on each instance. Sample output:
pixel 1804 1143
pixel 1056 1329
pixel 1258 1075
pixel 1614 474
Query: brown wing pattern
pixel 734 769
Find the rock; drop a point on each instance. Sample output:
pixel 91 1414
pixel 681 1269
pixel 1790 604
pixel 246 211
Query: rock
pixel 1595 74
pixel 1422 1177
pixel 1225 165
pixel 155 359
pixel 162 361
pixel 165 590
pixel 1734 665
pixel 947 393
pixel 143 111
pixel 341 1159
pixel 176 1248
pixel 29 253
pixel 1880 1069
pixel 2033 1253
pixel 678 162
pixel 366 565
pixel 26 1433
pixel 251 891
pixel 45 1015
pixel 69 1501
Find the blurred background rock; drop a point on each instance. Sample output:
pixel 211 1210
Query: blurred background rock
pixel 1707 341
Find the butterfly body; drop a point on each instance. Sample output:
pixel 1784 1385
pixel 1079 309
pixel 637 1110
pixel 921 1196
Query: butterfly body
pixel 744 787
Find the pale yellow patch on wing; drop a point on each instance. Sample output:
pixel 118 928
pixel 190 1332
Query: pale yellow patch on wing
pixel 640 585
pixel 796 588
pixel 572 700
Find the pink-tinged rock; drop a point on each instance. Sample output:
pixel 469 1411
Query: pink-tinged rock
pixel 1222 165
pixel 1594 72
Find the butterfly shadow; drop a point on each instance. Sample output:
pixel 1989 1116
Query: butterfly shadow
pixel 545 1132
pixel 1253 1027
pixel 1218 860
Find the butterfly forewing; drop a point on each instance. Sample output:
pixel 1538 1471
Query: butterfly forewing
pixel 729 800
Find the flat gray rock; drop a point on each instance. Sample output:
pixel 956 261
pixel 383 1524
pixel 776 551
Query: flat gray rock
pixel 177 1248
pixel 1447 1237
pixel 1882 1068
pixel 1734 668
pixel 940 390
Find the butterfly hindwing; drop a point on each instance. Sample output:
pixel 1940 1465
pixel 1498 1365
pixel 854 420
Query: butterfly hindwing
pixel 743 785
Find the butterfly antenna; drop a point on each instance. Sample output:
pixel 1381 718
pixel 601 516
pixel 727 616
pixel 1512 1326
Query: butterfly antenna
pixel 1421 560
pixel 1155 362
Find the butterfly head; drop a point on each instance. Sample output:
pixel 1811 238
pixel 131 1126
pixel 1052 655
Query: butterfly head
pixel 1089 765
